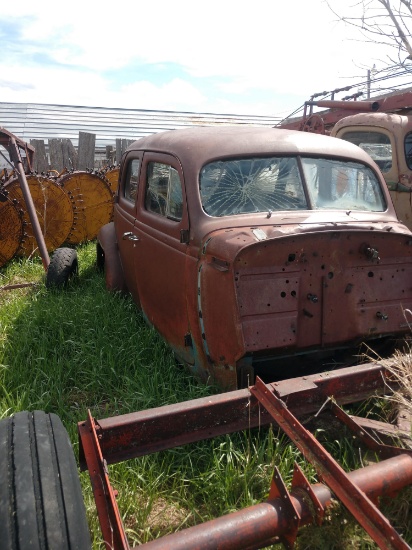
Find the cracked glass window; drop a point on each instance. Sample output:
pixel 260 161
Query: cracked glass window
pixel 230 187
pixel 340 185
pixel 164 191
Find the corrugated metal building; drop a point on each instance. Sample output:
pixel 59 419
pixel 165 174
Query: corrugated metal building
pixel 36 121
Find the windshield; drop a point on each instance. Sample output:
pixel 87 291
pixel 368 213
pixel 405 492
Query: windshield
pixel 230 187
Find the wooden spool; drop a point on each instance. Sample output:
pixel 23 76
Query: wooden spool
pixel 93 198
pixel 112 175
pixel 11 228
pixel 54 208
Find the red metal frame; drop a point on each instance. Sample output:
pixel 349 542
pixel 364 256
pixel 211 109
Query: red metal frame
pixel 14 146
pixel 397 102
pixel 115 439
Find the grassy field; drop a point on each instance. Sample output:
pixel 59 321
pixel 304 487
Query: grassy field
pixel 83 348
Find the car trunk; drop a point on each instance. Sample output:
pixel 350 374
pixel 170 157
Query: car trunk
pixel 323 289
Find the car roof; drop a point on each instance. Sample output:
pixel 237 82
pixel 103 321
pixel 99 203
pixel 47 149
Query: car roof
pixel 198 145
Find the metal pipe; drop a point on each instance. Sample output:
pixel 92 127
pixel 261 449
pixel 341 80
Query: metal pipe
pixel 255 526
pixel 350 105
pixel 31 209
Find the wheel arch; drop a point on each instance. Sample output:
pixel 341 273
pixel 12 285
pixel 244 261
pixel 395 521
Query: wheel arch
pixel 106 240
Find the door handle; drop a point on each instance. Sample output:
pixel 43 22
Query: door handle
pixel 130 236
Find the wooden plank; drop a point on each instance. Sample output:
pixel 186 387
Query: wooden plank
pixel 56 154
pixel 62 154
pixel 86 150
pixel 40 160
pixel 118 151
pixel 121 146
pixel 69 154
pixel 110 155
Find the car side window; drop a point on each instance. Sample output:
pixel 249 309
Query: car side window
pixel 132 179
pixel 164 191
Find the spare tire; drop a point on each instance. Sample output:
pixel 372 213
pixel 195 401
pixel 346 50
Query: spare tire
pixel 41 503
pixel 63 266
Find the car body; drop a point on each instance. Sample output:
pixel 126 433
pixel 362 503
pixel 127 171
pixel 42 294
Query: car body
pixel 249 248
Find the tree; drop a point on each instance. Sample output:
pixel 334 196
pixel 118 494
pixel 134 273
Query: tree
pixel 386 22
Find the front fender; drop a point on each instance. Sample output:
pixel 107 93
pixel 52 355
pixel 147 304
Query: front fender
pixel 113 270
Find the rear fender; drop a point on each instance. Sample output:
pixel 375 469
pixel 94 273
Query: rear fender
pixel 113 270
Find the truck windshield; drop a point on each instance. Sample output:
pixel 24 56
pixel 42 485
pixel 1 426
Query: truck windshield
pixel 242 186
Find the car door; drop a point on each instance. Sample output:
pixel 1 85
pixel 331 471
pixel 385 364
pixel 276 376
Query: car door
pixel 125 216
pixel 162 227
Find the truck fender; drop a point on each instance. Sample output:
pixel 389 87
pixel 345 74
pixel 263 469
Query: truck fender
pixel 108 259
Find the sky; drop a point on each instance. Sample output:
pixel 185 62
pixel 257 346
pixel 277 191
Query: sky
pixel 259 57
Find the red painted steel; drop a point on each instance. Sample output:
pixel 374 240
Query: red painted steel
pixel 144 432
pixel 398 102
pixel 113 532
pixel 257 526
pixel 279 517
pixel 362 508
pixel 346 105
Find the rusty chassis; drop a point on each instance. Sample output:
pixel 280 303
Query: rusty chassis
pixel 112 440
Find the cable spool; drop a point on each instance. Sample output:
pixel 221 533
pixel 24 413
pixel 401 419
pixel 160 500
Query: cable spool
pixel 11 227
pixel 93 197
pixel 112 175
pixel 54 209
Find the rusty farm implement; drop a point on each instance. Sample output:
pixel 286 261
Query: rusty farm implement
pixel 111 440
pixel 40 213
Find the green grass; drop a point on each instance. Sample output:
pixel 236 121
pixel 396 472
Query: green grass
pixel 83 348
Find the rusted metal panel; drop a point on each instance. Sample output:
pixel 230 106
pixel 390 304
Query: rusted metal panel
pixel 136 434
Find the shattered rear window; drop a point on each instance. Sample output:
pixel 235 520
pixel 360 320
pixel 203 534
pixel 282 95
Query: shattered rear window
pixel 336 184
pixel 244 186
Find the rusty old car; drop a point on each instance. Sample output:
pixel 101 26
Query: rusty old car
pixel 258 250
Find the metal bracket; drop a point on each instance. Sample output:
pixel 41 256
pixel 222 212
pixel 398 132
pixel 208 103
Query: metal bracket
pixel 299 481
pixel 278 490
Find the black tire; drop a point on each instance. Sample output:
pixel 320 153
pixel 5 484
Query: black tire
pixel 99 257
pixel 41 503
pixel 63 267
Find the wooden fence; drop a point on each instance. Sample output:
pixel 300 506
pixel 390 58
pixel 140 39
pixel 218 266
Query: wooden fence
pixel 59 154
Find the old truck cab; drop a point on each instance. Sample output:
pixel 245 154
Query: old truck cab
pixel 387 138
